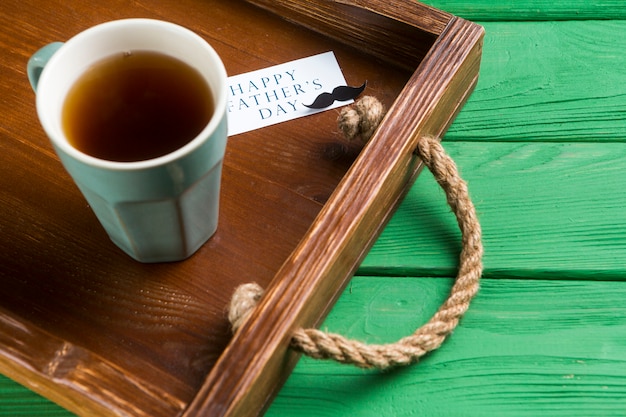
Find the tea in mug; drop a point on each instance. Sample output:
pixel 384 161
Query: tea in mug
pixel 136 106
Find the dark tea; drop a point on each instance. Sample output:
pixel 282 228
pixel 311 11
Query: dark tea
pixel 136 106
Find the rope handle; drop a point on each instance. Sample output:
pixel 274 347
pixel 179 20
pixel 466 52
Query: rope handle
pixel 361 121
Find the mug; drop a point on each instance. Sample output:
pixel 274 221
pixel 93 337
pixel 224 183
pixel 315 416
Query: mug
pixel 156 210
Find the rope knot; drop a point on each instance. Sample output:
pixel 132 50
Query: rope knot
pixel 242 304
pixel 362 119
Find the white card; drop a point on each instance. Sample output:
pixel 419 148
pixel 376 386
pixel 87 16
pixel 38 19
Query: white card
pixel 276 94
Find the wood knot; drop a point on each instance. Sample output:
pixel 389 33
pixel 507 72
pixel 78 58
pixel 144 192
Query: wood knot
pixel 362 119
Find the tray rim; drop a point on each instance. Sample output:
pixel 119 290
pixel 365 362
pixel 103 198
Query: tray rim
pixel 301 276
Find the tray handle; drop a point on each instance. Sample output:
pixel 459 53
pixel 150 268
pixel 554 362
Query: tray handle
pixel 322 345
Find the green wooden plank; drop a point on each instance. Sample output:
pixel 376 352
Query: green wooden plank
pixel 548 81
pixel 548 210
pixel 17 401
pixel 525 348
pixel 532 9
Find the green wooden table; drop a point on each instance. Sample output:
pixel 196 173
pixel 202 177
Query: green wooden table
pixel 542 143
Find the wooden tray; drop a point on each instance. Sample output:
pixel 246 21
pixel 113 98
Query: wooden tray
pixel 100 334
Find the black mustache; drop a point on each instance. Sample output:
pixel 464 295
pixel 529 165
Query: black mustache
pixel 341 93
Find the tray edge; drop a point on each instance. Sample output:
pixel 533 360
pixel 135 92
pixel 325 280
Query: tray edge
pixel 235 387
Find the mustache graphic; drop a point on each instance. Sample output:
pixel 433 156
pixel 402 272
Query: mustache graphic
pixel 341 93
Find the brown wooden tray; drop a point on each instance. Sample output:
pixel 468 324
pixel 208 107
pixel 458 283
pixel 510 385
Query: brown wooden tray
pixel 84 325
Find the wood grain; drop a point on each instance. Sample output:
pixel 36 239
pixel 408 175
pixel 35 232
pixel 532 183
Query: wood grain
pixel 574 227
pixel 371 26
pixel 549 81
pixel 528 346
pixel 18 401
pixel 529 10
pixel 525 348
pixel 338 238
pixel 102 335
pixel 151 319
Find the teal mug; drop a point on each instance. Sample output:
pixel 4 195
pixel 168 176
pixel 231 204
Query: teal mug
pixel 159 209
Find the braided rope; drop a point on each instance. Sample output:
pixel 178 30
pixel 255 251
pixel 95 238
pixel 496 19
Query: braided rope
pixel 321 345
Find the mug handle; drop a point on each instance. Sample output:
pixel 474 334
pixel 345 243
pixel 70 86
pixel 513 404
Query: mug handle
pixel 38 61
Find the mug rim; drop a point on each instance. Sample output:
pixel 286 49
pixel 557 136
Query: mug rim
pixel 46 117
